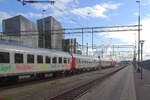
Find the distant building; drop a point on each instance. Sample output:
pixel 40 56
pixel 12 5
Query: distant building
pixel 47 33
pixel 19 29
pixel 52 31
pixel 69 45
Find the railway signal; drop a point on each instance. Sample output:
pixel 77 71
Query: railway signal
pixel 24 2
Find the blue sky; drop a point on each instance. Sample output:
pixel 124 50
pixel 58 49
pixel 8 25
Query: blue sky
pixel 83 13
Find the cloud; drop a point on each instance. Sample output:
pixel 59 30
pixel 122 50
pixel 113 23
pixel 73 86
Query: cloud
pixel 145 3
pixel 70 7
pixel 41 6
pixel 4 15
pixel 124 36
pixel 136 14
pixel 111 5
pixel 60 8
pixel 129 37
pixel 31 15
pixel 96 11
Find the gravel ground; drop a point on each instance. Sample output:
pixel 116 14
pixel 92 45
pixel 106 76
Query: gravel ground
pixel 45 90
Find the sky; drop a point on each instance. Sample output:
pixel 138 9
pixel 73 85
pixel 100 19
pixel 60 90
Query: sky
pixel 89 13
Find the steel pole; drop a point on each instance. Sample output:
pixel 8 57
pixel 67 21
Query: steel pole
pixel 142 42
pixel 138 34
pixel 141 60
pixel 82 39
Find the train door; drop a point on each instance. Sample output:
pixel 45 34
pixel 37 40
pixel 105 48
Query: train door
pixel 73 64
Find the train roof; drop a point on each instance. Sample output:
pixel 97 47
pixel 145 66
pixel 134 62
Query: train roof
pixel 23 48
pixel 85 56
pixel 8 46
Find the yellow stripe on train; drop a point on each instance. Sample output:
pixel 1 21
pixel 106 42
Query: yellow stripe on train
pixel 41 67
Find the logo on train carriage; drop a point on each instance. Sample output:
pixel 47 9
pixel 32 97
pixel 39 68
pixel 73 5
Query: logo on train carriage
pixel 23 67
pixel 64 65
pixel 5 68
pixel 79 65
pixel 42 67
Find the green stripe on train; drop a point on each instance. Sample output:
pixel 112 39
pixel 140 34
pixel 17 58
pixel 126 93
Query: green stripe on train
pixel 5 68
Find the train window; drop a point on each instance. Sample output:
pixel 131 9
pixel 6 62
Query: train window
pixel 54 60
pixel 48 60
pixel 18 58
pixel 82 62
pixel 68 61
pixel 60 60
pixel 65 60
pixel 30 58
pixel 4 57
pixel 79 61
pixel 39 59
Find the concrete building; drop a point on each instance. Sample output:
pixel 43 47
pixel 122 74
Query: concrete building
pixel 69 45
pixel 47 33
pixel 19 29
pixel 52 31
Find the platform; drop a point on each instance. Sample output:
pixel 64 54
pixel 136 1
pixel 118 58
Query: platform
pixel 142 86
pixel 120 86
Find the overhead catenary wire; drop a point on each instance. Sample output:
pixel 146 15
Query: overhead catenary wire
pixel 80 30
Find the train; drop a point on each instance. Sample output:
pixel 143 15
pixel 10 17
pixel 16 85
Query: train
pixel 18 60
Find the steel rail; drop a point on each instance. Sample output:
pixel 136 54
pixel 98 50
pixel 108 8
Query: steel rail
pixel 77 92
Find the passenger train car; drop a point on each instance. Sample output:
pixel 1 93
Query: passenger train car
pixel 17 60
pixel 106 63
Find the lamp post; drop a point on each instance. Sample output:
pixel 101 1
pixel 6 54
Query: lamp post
pixel 138 33
pixel 142 42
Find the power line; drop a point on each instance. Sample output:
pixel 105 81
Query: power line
pixel 79 30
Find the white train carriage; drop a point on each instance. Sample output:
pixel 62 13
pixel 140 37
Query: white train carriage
pixel 18 60
pixel 84 62
pixel 21 60
pixel 106 63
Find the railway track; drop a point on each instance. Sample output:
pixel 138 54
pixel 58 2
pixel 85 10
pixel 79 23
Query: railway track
pixel 78 91
pixel 22 83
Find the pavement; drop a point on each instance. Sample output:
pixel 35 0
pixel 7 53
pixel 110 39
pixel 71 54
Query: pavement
pixel 119 86
pixel 142 86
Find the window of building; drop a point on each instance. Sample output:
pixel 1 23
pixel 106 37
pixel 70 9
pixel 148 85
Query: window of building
pixel 4 57
pixel 18 58
pixel 48 60
pixel 39 59
pixel 60 60
pixel 54 60
pixel 65 60
pixel 30 58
